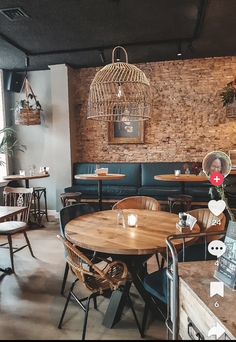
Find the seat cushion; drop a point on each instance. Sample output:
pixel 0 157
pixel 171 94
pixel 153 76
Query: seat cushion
pixel 118 192
pixel 160 193
pixel 11 227
pixel 156 284
pixel 195 253
pixel 88 191
pixel 108 191
pixel 149 170
pixel 200 193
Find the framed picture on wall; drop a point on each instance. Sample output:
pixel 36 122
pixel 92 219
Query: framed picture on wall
pixel 126 132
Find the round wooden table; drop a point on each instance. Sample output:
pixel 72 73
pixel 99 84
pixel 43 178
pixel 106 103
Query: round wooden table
pixel 25 178
pixel 100 179
pixel 182 178
pixel 100 232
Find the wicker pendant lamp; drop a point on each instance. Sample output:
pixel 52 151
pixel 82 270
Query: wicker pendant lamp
pixel 119 92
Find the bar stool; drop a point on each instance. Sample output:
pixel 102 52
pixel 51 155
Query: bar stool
pixel 68 198
pixel 37 211
pixel 185 202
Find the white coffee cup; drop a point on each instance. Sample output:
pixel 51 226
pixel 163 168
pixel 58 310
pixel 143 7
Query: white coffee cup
pixel 22 172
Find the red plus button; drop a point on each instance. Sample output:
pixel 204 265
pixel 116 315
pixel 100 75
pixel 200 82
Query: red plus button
pixel 217 179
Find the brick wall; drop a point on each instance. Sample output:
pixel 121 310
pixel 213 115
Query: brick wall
pixel 187 122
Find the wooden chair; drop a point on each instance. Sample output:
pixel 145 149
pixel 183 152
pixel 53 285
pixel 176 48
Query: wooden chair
pixel 98 281
pixel 138 202
pixel 18 197
pixel 208 222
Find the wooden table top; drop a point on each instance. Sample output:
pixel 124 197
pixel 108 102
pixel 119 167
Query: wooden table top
pixel 233 172
pixel 91 176
pixel 19 177
pixel 100 232
pixel 8 211
pixel 181 178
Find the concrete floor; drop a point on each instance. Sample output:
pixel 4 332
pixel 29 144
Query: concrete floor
pixel 31 303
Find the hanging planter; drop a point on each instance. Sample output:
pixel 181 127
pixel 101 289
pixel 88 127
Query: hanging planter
pixel 228 93
pixel 28 110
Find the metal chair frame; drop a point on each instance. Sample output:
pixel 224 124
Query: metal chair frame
pixel 98 281
pixel 172 319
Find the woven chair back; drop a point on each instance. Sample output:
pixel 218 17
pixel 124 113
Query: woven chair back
pixel 95 279
pixel 138 202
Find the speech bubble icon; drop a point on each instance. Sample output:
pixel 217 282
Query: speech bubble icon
pixel 217 248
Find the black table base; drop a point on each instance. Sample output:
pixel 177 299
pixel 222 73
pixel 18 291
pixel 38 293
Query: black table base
pixel 137 268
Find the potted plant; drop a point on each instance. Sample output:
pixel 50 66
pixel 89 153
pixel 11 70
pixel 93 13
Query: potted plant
pixel 228 93
pixel 9 143
pixel 27 110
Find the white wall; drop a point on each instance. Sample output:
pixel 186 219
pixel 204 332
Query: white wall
pixel 60 132
pixel 48 144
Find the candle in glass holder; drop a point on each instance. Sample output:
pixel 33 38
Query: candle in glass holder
pixel 132 220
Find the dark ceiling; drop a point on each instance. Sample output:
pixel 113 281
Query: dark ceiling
pixel 82 33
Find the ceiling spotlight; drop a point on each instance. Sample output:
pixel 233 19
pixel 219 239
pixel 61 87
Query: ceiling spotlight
pixel 179 53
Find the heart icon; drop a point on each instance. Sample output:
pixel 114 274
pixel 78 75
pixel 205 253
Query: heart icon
pixel 216 207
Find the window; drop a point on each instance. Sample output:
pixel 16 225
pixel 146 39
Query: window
pixel 3 168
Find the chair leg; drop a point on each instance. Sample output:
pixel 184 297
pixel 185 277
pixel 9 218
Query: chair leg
pixel 135 316
pixel 162 262
pixel 66 304
pixel 64 278
pixel 45 205
pixel 95 303
pixel 11 252
pixel 158 262
pixel 86 319
pixel 28 243
pixel 145 317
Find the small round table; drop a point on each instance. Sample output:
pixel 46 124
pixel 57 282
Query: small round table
pixel 182 179
pixel 100 179
pixel 26 178
pixel 100 232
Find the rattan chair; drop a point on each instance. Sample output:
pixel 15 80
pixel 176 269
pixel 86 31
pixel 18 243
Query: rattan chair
pixel 98 281
pixel 67 214
pixel 18 197
pixel 138 202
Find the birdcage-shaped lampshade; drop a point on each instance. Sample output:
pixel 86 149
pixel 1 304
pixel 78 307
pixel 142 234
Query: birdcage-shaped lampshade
pixel 119 92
